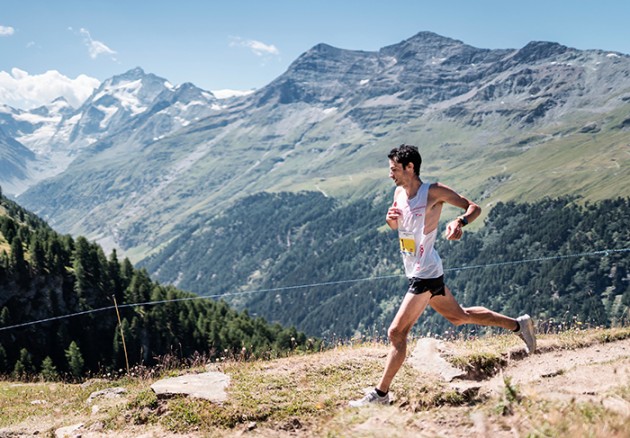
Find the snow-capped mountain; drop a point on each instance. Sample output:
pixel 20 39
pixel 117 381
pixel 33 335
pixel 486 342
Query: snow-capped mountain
pixel 34 128
pixel 117 101
pixel 14 158
pixel 140 106
pixel 24 137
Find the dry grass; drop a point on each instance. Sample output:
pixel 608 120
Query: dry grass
pixel 308 394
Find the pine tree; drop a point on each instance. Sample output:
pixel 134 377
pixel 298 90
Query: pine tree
pixel 17 262
pixel 126 271
pixel 19 370
pixel 24 365
pixel 5 317
pixel 115 277
pixel 4 363
pixel 55 256
pixel 49 371
pixel 38 255
pixel 83 271
pixel 8 229
pixel 75 360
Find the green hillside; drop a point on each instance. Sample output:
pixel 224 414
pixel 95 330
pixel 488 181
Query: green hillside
pixel 266 251
pixel 57 313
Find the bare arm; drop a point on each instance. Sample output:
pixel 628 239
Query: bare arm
pixel 393 213
pixel 447 195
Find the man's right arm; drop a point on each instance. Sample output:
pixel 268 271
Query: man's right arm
pixel 393 213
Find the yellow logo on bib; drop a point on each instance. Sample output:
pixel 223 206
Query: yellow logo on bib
pixel 407 243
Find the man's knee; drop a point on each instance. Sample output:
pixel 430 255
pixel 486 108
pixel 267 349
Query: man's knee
pixel 397 335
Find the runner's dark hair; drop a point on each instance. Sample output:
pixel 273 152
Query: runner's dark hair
pixel 405 154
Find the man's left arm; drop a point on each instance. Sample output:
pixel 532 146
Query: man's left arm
pixel 454 229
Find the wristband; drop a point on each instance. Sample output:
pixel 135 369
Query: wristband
pixel 462 220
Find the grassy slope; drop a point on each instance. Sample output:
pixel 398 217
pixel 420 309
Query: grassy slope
pixel 520 166
pixel 307 395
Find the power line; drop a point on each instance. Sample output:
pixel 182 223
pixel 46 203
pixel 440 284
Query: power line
pixel 604 252
pixel 541 259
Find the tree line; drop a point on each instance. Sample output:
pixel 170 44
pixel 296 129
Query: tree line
pixel 44 275
pixel 282 240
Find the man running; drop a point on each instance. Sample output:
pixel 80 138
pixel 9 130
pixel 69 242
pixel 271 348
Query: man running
pixel 415 213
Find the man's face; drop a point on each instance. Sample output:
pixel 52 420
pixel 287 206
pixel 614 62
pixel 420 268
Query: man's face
pixel 399 173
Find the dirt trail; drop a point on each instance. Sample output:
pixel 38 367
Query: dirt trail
pixel 586 374
pixel 580 374
pixel 592 374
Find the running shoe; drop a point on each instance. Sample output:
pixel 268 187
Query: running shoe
pixel 527 332
pixel 370 398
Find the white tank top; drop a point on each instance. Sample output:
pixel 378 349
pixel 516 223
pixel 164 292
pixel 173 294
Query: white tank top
pixel 419 256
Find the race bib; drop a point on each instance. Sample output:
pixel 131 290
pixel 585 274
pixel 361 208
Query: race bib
pixel 407 242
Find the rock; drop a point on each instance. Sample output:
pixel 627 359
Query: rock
pixel 590 127
pixel 69 431
pixel 39 402
pixel 618 405
pixel 96 427
pixel 107 393
pixel 210 386
pixel 625 124
pixel 427 357
pixel 91 382
pixel 292 425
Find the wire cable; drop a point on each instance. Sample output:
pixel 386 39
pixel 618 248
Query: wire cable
pixel 604 252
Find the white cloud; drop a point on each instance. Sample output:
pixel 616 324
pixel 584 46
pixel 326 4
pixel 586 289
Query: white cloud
pixel 95 48
pixel 22 90
pixel 6 31
pixel 257 47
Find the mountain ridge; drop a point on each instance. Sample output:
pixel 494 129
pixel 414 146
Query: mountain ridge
pixel 329 112
pixel 59 134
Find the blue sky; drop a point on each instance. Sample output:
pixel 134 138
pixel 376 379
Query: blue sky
pixel 246 44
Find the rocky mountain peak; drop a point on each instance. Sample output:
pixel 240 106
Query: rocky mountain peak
pixel 433 39
pixel 539 50
pixel 135 84
pixel 322 49
pixel 324 58
pixel 131 75
pixel 423 45
pixel 324 73
pixel 187 92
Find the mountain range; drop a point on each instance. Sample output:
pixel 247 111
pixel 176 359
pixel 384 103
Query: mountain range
pixel 47 139
pixel 328 119
pixel 142 163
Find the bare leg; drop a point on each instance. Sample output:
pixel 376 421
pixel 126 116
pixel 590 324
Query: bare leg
pixel 408 313
pixel 450 309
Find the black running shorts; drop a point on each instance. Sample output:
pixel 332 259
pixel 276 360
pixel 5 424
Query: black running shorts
pixel 418 286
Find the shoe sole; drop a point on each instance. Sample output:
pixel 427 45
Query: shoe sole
pixel 529 328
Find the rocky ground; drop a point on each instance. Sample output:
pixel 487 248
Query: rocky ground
pixel 529 394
